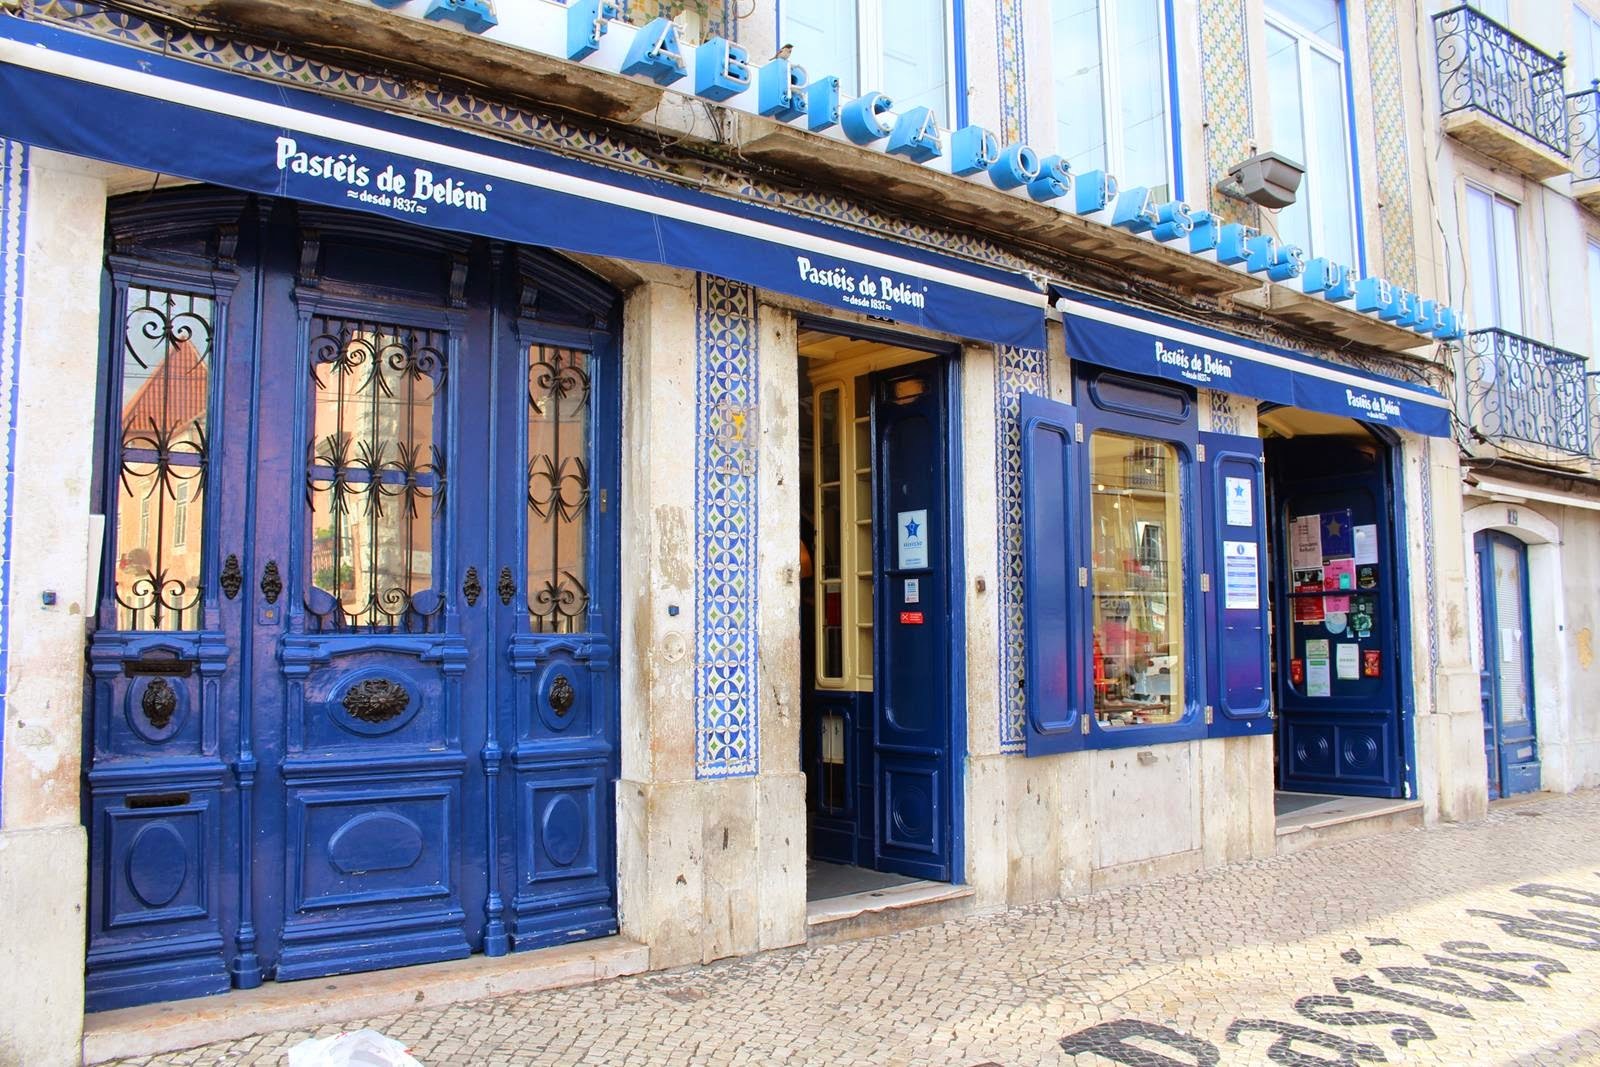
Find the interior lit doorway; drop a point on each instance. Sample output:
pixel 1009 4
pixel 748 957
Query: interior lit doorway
pixel 878 535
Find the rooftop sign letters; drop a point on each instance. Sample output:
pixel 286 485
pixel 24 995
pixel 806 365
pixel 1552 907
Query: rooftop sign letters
pixel 591 32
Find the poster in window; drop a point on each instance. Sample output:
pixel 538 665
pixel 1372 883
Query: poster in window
pixel 1318 681
pixel 1338 535
pixel 1308 608
pixel 1305 542
pixel 1366 544
pixel 1241 575
pixel 1338 575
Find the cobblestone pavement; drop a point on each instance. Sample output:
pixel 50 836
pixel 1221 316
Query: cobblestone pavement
pixel 1460 944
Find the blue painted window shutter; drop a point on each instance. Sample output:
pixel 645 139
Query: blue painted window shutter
pixel 1052 600
pixel 1236 659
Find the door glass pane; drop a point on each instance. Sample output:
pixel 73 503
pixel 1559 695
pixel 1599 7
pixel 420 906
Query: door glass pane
pixel 1142 96
pixel 166 391
pixel 1136 522
pixel 1331 188
pixel 1580 65
pixel 1079 78
pixel 1594 304
pixel 914 67
pixel 823 33
pixel 1511 671
pixel 1498 10
pixel 375 479
pixel 1480 259
pixel 1506 259
pixel 1288 132
pixel 558 489
pixel 1319 17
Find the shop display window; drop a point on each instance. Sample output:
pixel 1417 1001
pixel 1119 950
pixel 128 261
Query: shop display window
pixel 1137 580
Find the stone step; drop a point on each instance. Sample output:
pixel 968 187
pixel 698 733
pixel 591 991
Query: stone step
pixel 316 1002
pixel 885 911
pixel 1344 818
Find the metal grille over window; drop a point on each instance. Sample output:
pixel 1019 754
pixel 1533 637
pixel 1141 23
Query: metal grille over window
pixel 558 489
pixel 166 389
pixel 375 476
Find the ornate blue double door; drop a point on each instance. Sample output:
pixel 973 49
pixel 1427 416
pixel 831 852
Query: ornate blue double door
pixel 351 692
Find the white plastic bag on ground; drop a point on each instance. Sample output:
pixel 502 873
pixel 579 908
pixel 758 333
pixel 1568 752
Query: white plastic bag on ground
pixel 359 1048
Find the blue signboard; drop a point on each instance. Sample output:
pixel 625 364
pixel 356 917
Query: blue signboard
pixel 1113 334
pixel 103 100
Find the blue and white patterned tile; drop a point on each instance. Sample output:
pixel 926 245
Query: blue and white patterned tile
pixel 1225 90
pixel 1396 221
pixel 1011 35
pixel 1017 371
pixel 726 704
pixel 13 234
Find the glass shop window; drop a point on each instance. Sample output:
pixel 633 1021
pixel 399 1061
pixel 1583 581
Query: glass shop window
pixel 162 447
pixel 1137 580
pixel 558 489
pixel 375 480
pixel 899 47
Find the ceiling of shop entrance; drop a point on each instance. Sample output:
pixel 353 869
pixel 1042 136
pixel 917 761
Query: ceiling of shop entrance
pixel 1294 422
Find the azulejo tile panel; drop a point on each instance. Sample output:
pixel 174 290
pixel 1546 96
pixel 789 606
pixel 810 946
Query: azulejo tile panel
pixel 727 449
pixel 1225 86
pixel 1396 221
pixel 1009 31
pixel 13 215
pixel 1017 371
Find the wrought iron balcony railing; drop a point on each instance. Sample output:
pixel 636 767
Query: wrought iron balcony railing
pixel 1485 67
pixel 1518 389
pixel 1583 129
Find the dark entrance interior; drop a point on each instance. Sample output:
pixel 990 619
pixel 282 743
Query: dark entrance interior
pixel 875 613
pixel 1335 609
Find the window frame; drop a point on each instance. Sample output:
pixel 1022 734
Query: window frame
pixel 1593 29
pixel 1591 250
pixel 1495 199
pixel 869 55
pixel 1111 79
pixel 1305 39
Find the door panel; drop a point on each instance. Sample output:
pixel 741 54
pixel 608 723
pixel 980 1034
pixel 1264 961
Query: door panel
pixel 318 743
pixel 912 737
pixel 1506 682
pixel 1339 726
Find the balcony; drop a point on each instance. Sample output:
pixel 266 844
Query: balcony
pixel 1500 94
pixel 1519 390
pixel 1583 126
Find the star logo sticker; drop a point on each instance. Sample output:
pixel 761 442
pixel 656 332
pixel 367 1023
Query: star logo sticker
pixel 912 527
pixel 1334 527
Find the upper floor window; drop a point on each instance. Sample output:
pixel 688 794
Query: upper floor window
pixel 1583 66
pixel 1109 63
pixel 902 48
pixel 1492 262
pixel 1498 10
pixel 1310 123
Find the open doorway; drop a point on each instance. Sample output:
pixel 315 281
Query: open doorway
pixel 1339 628
pixel 877 546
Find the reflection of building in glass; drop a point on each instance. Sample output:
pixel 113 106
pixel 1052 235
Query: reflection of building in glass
pixel 160 506
pixel 375 480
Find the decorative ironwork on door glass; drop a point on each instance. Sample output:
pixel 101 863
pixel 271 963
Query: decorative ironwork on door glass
pixel 161 471
pixel 375 475
pixel 558 488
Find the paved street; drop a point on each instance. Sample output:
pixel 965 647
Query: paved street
pixel 1475 944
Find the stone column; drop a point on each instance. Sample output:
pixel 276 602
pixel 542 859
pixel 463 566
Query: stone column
pixel 711 813
pixel 52 234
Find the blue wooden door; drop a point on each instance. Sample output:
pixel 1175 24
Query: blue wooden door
pixel 1335 633
pixel 354 699
pixel 911 736
pixel 1506 676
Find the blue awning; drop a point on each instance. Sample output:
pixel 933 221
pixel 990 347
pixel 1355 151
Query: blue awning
pixel 112 102
pixel 1113 334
